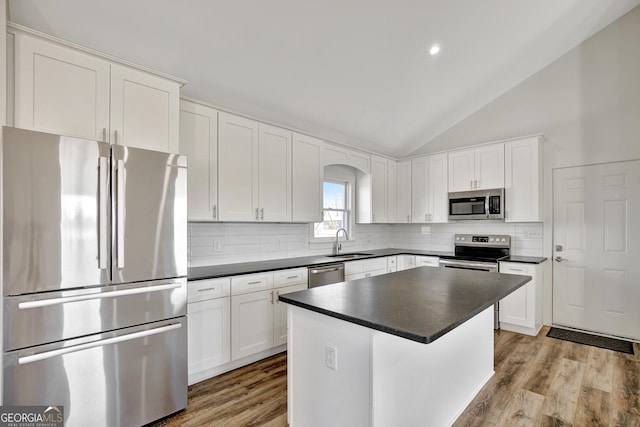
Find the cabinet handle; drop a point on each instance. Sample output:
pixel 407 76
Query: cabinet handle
pixel 262 213
pixel 215 211
pixel 471 184
pixel 277 297
pixel 255 283
pixel 517 269
pixel 367 274
pixel 292 277
pixel 271 297
pixel 207 289
pixel 104 134
pixel 115 137
pixel 475 183
pixel 408 218
pixel 426 217
pixel 257 213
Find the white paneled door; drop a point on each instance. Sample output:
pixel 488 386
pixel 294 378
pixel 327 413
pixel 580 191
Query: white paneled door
pixel 596 229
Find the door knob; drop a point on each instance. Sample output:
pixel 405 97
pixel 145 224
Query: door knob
pixel 559 259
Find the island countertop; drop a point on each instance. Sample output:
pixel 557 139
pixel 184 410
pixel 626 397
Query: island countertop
pixel 421 304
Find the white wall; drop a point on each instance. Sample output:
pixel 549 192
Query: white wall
pixel 587 104
pixel 3 121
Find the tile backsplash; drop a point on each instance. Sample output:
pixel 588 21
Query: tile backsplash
pixel 226 243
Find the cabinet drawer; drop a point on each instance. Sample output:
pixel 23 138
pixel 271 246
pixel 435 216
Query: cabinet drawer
pixel 295 276
pixel 353 267
pixel 427 261
pixel 251 283
pixel 201 290
pixel 517 268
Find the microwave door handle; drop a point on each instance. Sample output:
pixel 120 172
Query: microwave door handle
pixel 486 205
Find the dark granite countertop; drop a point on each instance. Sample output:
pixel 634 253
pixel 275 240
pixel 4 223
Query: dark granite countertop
pixel 210 272
pixel 421 304
pixel 526 259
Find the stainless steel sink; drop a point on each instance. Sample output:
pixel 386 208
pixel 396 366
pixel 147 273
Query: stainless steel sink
pixel 350 256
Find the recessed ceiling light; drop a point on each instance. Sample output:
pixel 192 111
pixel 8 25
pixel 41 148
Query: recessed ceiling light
pixel 434 50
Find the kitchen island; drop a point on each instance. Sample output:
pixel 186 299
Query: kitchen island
pixel 410 348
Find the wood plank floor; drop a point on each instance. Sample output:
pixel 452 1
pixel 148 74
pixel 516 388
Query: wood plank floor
pixel 539 381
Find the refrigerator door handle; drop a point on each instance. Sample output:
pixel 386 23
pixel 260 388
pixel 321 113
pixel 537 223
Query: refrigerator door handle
pixel 103 213
pixel 25 305
pixel 120 176
pixel 54 353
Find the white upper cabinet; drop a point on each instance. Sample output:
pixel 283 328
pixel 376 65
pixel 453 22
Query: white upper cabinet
pixel 477 169
pixel 429 188
pixel 523 180
pixel 307 175
pixel 403 192
pixel 254 170
pixel 335 155
pixel 61 89
pixel 237 168
pixel 199 142
pixel 274 163
pixel 144 110
pixel 375 195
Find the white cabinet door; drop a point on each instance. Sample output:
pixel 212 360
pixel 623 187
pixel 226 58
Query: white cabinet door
pixel 477 168
pixel 429 199
pixel 427 261
pixel 237 168
pixel 521 311
pixel 144 110
pixel 307 176
pixel 391 190
pixel 337 155
pixel 378 189
pixel 280 314
pixel 199 142
pixel 251 323
pixel 209 343
pixel 461 170
pixel 274 173
pixel 60 90
pixel 419 189
pixel 489 167
pixel 403 192
pixel 406 262
pixel 523 180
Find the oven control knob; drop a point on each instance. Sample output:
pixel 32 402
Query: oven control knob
pixel 463 238
pixel 503 240
pixel 457 238
pixel 491 239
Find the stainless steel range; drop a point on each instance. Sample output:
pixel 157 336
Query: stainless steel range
pixel 479 252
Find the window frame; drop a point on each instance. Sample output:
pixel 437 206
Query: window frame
pixel 350 181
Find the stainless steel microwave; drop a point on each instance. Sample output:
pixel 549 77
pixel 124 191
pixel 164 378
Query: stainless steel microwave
pixel 477 204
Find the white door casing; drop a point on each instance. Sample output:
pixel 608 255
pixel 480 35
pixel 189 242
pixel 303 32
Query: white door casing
pixel 596 232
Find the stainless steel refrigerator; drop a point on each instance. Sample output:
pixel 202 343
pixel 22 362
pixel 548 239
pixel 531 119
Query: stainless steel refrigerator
pixel 94 278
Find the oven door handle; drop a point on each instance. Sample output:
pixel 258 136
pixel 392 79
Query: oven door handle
pixel 468 264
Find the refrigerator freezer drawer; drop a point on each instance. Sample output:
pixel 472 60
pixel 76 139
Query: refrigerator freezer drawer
pixel 128 377
pixel 36 319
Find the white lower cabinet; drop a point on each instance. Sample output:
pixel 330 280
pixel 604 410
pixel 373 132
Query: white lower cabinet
pixel 209 315
pixel 258 319
pixel 360 269
pixel 251 323
pixel 405 262
pixel 280 314
pixel 427 261
pixel 521 311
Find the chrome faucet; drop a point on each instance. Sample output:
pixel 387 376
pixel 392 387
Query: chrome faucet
pixel 337 246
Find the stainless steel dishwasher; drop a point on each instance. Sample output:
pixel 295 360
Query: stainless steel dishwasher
pixel 326 274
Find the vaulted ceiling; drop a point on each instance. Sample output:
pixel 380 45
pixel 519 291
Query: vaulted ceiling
pixel 356 72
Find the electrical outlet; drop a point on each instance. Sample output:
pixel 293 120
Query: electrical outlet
pixel 217 246
pixel 331 356
pixel 426 229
